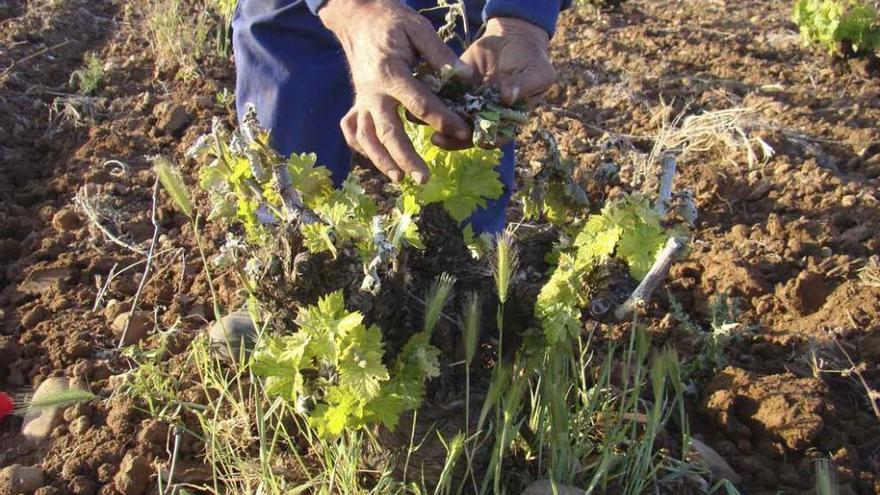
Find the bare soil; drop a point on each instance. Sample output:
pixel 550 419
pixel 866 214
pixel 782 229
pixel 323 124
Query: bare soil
pixel 786 235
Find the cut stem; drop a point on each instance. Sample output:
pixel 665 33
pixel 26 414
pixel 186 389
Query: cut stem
pixel 639 298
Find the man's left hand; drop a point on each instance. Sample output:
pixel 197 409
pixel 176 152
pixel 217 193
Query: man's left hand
pixel 512 56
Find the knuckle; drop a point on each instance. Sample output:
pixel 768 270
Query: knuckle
pixel 385 131
pixel 418 105
pixel 362 136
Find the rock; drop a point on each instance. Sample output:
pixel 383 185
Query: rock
pixel 171 117
pixel 106 472
pixel 192 472
pixel 545 487
pixel 120 416
pixel 20 480
pixel 35 316
pixel 231 331
pixel 82 485
pixel 153 431
pixel 204 102
pixel 43 280
pixel 79 425
pixel 805 294
pixel 133 475
pixel 137 330
pixel 113 308
pixel 39 424
pixel 711 460
pixel 782 407
pixel 66 219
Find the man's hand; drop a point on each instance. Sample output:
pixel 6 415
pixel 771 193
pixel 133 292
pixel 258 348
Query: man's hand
pixel 382 40
pixel 512 56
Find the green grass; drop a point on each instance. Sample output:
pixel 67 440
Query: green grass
pixel 575 411
pixel 177 39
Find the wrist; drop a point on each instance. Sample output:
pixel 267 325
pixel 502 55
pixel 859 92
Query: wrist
pixel 512 26
pixel 336 14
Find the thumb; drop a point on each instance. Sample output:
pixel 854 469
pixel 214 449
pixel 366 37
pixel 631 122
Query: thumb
pixel 435 52
pixel 526 84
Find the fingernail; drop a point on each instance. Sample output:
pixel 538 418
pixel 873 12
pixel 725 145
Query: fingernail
pixel 420 177
pixel 395 175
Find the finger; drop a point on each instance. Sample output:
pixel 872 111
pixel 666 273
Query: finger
pixel 526 84
pixel 427 107
pixel 433 50
pixel 373 149
pixel 349 130
pixel 389 130
pixel 450 143
pixel 412 118
pixel 499 143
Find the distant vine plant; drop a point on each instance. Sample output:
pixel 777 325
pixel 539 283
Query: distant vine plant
pixel 838 25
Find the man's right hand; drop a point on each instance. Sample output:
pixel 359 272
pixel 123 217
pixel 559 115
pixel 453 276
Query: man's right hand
pixel 383 39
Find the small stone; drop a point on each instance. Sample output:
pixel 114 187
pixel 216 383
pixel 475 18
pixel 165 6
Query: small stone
pixel 47 490
pixel 113 308
pixel 133 475
pixel 848 201
pixel 153 431
pixel 204 102
pixel 805 294
pixel 545 487
pixel 106 472
pixel 713 461
pixel 66 219
pixel 39 424
pixel 171 117
pixel 137 330
pixel 20 480
pixel 82 485
pixel 80 425
pixel 760 190
pixel 43 280
pixel 230 332
pixel 35 316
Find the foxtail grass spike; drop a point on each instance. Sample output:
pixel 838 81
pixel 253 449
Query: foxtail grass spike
pixel 60 399
pixel 471 326
pixel 436 299
pixel 506 262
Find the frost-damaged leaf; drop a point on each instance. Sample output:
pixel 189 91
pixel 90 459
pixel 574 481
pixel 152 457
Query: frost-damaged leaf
pixel 172 181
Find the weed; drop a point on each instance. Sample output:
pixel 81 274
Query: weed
pixel 174 40
pixel 225 98
pixel 90 76
pixel 826 481
pixel 712 343
pixel 225 9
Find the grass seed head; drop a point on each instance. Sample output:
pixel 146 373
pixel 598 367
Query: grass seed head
pixel 506 263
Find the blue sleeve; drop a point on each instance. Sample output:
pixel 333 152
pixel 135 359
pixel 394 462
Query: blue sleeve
pixel 314 5
pixel 542 13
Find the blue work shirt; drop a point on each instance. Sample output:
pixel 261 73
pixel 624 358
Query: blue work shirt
pixel 293 70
